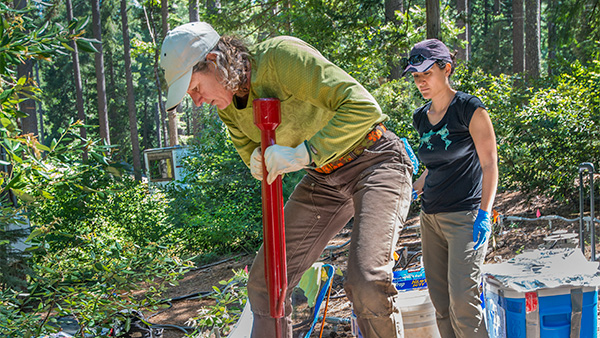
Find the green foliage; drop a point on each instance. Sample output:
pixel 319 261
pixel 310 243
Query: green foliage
pixel 399 99
pixel 91 280
pixel 21 39
pixel 491 37
pixel 229 303
pixel 577 24
pixel 14 228
pixel 94 242
pixel 543 131
pixel 352 34
pixel 29 167
pixel 95 237
pixel 13 321
pixel 107 206
pixel 220 210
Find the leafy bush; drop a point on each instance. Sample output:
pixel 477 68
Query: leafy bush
pixel 96 238
pixel 229 300
pixel 219 211
pixel 399 99
pixel 91 281
pixel 544 130
pixel 107 206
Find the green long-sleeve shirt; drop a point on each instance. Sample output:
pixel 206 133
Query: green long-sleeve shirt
pixel 320 103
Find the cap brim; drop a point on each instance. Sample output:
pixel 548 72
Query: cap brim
pixel 177 91
pixel 423 67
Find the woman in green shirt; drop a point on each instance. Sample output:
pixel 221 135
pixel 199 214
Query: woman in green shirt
pixel 332 128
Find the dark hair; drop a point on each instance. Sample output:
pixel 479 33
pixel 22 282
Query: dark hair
pixel 442 63
pixel 232 63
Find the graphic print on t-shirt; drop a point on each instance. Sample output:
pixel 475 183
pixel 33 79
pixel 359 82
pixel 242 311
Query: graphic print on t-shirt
pixel 443 133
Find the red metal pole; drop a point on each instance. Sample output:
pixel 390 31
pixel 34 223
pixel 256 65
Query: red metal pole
pixel 267 116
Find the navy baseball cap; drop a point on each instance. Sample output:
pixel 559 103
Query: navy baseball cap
pixel 424 54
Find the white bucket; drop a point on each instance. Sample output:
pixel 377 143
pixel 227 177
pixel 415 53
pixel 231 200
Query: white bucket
pixel 243 328
pixel 418 315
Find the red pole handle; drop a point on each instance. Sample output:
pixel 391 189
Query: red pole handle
pixel 267 116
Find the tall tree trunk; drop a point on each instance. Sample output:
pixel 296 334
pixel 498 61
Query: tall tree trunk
pixel 552 37
pixel 391 7
pixel 77 80
pixel 135 142
pixel 213 7
pixel 173 136
pixel 188 121
pixel 486 19
pixel 496 7
pixel 164 14
pixel 25 69
pixel 193 10
pixel 518 37
pixel 100 80
pixel 172 115
pixel 160 112
pixel 196 111
pixel 288 22
pixel 145 132
pixel 462 7
pixel 433 19
pixel 532 38
pixel 157 118
pixel 111 89
pixel 29 124
pixel 39 106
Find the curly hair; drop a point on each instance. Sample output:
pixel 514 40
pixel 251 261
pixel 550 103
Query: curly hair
pixel 232 63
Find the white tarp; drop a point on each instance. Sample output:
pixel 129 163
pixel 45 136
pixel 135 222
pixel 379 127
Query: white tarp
pixel 538 269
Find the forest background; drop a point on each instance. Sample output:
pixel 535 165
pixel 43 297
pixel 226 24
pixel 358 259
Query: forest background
pixel 82 96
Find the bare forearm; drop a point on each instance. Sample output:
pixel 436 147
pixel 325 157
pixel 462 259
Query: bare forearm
pixel 420 182
pixel 489 185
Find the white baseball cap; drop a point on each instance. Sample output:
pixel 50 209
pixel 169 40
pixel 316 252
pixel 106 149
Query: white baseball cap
pixel 182 49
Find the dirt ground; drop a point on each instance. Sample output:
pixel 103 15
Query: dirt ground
pixel 508 240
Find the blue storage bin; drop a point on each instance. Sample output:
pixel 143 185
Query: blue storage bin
pixel 506 311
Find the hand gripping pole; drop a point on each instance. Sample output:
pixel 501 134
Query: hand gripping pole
pixel 267 116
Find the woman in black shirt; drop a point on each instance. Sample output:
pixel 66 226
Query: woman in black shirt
pixel 458 148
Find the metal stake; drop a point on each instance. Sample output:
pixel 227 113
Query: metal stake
pixel 587 166
pixel 267 117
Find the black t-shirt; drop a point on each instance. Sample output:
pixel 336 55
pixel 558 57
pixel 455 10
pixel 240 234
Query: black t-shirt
pixel 447 150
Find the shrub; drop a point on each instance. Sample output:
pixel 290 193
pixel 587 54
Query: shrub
pixel 544 128
pixel 219 210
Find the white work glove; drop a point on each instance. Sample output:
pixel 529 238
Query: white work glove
pixel 256 168
pixel 280 160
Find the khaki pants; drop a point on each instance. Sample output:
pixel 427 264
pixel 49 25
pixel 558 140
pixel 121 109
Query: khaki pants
pixel 453 272
pixel 375 189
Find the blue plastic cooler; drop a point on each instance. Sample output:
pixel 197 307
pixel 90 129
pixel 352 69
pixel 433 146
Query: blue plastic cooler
pixel 507 311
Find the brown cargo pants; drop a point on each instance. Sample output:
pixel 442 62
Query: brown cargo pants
pixel 453 272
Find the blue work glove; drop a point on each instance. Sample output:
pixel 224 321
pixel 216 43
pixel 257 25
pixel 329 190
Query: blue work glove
pixel 256 168
pixel 280 160
pixel 415 195
pixel 482 228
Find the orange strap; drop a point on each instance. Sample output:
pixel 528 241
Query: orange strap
pixel 369 140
